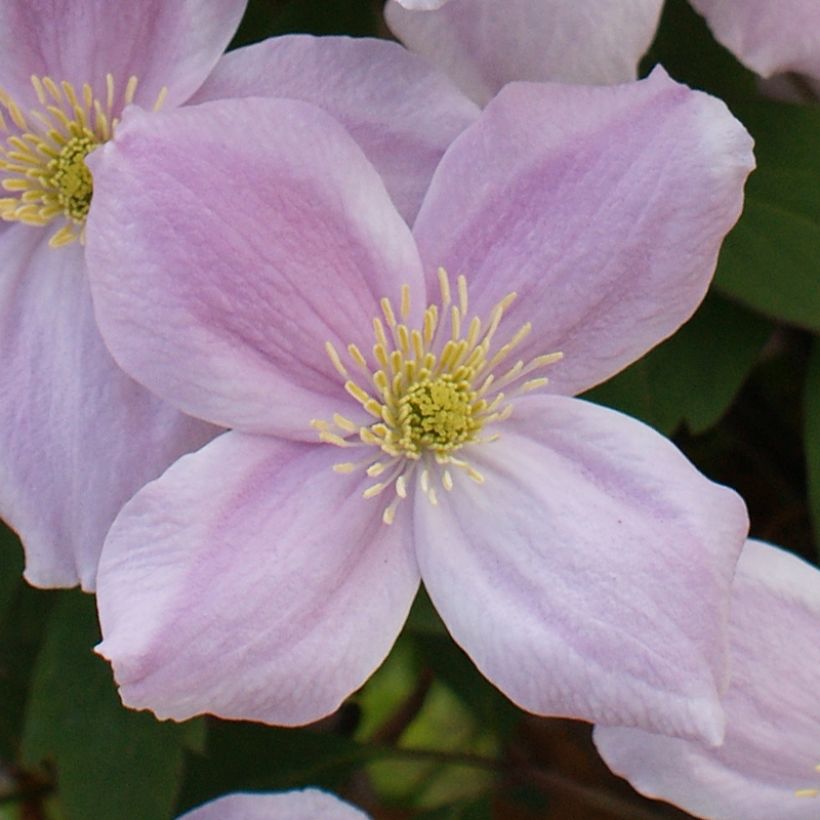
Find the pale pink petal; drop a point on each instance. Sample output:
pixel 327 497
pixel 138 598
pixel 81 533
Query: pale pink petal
pixel 77 437
pixel 769 37
pixel 769 765
pixel 252 581
pixel 227 243
pixel 308 804
pixel 485 44
pixel 422 5
pixel 401 111
pixel 171 44
pixel 604 208
pixel 589 576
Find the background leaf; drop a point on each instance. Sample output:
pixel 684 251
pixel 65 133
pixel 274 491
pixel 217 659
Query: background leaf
pixel 111 763
pixel 692 377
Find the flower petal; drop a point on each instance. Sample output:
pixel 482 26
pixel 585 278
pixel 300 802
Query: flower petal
pixel 770 38
pixel 772 748
pixel 402 112
pixel 604 208
pixel 163 44
pixel 78 437
pixel 252 581
pixel 589 577
pixel 308 804
pixel 485 44
pixel 227 242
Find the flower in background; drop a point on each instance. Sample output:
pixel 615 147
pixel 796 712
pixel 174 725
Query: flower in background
pixel 78 436
pixel 769 763
pixel 484 44
pixel 308 804
pixel 401 409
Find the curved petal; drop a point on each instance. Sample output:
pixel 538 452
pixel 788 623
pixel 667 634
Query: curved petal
pixel 252 581
pixel 401 111
pixel 769 763
pixel 589 576
pixel 227 242
pixel 78 438
pixel 770 38
pixel 422 5
pixel 308 804
pixel 172 45
pixel 604 208
pixel 485 44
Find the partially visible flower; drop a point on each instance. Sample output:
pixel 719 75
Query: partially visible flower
pixel 393 422
pixel 77 436
pixel 769 36
pixel 769 764
pixel 484 44
pixel 308 804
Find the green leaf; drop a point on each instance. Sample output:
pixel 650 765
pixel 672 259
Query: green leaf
pixel 811 415
pixel 693 376
pixel 111 763
pixel 771 260
pixel 21 633
pixel 251 757
pixel 11 569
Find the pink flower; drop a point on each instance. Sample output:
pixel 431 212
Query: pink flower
pixel 247 264
pixel 769 763
pixel 78 436
pixel 483 44
pixel 308 804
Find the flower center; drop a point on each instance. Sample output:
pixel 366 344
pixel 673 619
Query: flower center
pixel 433 391
pixel 438 415
pixel 42 163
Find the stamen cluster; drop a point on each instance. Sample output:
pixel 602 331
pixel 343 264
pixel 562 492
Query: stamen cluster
pixel 43 159
pixel 433 391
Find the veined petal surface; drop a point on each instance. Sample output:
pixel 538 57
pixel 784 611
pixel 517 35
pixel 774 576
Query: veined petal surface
pixel 402 112
pixel 589 576
pixel 252 581
pixel 164 44
pixel 604 208
pixel 78 437
pixel 770 38
pixel 485 44
pixel 228 243
pixel 769 764
pixel 307 804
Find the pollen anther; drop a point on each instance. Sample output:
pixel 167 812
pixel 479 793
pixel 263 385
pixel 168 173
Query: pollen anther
pixel 431 391
pixel 43 160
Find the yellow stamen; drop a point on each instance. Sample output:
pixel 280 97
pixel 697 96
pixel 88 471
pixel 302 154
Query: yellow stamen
pixel 430 397
pixel 44 164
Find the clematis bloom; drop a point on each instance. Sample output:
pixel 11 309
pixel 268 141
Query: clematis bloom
pixel 769 763
pixel 401 408
pixel 307 804
pixel 78 437
pixel 483 44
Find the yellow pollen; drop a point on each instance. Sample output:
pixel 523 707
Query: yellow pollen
pixel 42 162
pixel 430 391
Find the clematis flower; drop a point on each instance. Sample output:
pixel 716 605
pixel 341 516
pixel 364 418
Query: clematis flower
pixel 769 763
pixel 393 421
pixel 78 436
pixel 768 37
pixel 308 804
pixel 483 44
